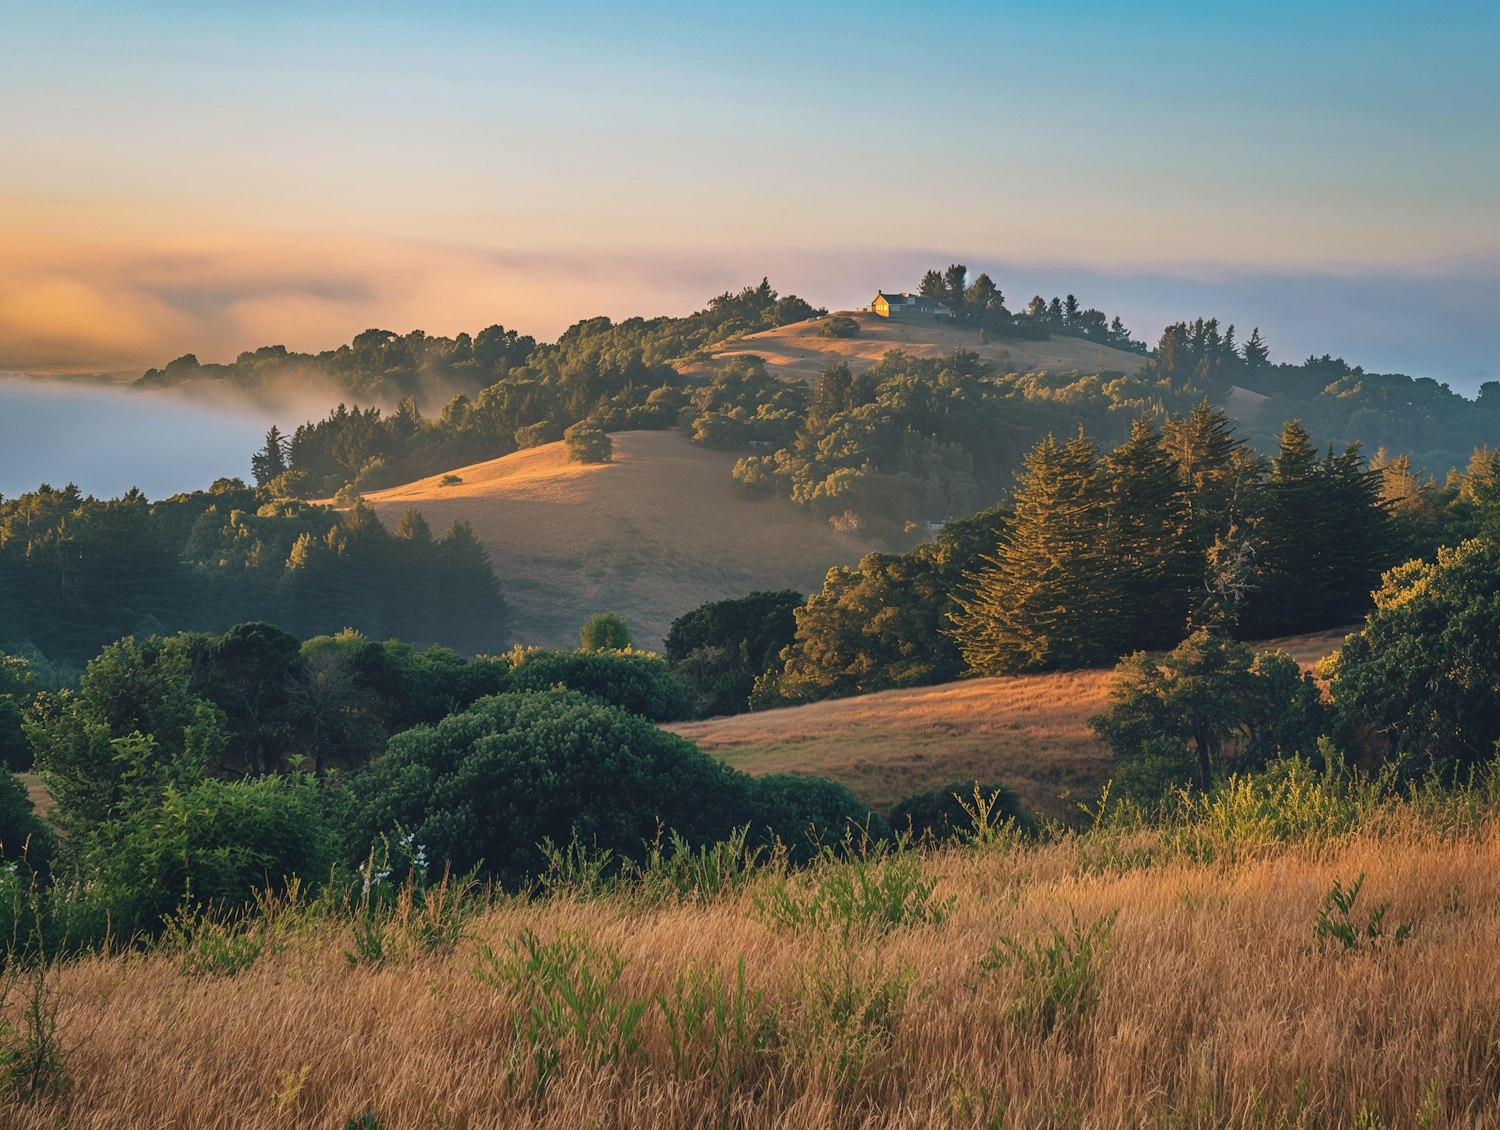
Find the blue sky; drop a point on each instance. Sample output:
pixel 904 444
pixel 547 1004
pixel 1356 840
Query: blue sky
pixel 213 176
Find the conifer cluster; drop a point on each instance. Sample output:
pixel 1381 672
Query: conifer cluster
pixel 1181 527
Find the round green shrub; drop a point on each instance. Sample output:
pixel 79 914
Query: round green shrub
pixel 635 681
pixel 587 443
pixel 605 631
pixel 488 786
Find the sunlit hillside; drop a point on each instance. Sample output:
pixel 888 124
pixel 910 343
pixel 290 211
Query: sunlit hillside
pixel 658 531
pixel 801 350
pixel 1030 733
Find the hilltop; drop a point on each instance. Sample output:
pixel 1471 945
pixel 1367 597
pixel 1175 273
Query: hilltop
pixel 658 531
pixel 1027 732
pixel 801 351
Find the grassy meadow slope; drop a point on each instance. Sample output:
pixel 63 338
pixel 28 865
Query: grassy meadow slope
pixel 655 533
pixel 800 350
pixel 1210 1003
pixel 1029 733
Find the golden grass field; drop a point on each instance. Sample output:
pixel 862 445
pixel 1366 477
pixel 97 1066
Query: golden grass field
pixel 651 535
pixel 800 350
pixel 1216 1008
pixel 1027 732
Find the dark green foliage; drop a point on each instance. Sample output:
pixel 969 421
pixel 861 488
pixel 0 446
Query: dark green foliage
pixel 1425 669
pixel 1210 703
pixel 587 444
pixel 1148 548
pixel 635 681
pixel 883 624
pixel 948 813
pixel 806 812
pixel 216 842
pixel 605 631
pixel 1325 537
pixel 16 694
pixel 24 839
pixel 981 304
pixel 840 326
pixel 743 404
pixel 491 784
pixel 1052 596
pixel 250 701
pixel 719 649
pixel 76 573
pixel 872 628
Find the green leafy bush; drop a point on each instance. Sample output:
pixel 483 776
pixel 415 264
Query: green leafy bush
pixel 587 443
pixel 23 836
pixel 1425 669
pixel 605 631
pixel 217 842
pixel 493 783
pixel 719 649
pixel 1059 977
pixel 840 326
pixel 637 681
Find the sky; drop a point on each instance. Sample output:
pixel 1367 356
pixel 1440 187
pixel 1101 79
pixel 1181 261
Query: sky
pixel 212 177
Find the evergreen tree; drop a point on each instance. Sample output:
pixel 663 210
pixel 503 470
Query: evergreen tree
pixel 1218 473
pixel 474 617
pixel 270 461
pixel 1048 597
pixel 1256 352
pixel 1150 549
pixel 1326 536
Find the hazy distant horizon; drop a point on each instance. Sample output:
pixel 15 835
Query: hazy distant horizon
pixel 179 178
pixel 1430 324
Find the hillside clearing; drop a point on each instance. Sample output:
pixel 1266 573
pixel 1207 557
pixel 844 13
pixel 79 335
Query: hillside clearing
pixel 800 350
pixel 1028 732
pixel 651 535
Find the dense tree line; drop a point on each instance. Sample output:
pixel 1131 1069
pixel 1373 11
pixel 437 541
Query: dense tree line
pixel 982 304
pixel 197 769
pixel 503 392
pixel 77 572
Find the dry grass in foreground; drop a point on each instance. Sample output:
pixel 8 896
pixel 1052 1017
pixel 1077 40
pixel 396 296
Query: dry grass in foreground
pixel 1029 733
pixel 1125 977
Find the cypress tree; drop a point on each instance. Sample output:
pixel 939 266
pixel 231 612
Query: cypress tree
pixel 1048 597
pixel 1325 537
pixel 1149 548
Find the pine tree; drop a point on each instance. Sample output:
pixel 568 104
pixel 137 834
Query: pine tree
pixel 1220 476
pixel 1326 536
pixel 1150 548
pixel 1048 597
pixel 270 461
pixel 1256 351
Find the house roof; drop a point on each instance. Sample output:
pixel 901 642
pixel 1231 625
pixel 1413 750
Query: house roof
pixel 905 299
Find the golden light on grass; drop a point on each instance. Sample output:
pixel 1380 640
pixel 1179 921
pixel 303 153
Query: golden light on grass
pixel 1214 1004
pixel 1029 733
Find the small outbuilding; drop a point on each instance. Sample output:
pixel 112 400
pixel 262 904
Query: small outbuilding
pixel 908 306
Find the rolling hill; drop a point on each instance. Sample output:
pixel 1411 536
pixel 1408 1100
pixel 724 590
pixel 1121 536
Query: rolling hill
pixel 1029 733
pixel 800 350
pixel 655 533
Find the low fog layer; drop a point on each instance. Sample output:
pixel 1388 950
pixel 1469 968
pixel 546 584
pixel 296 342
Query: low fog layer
pixel 108 440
